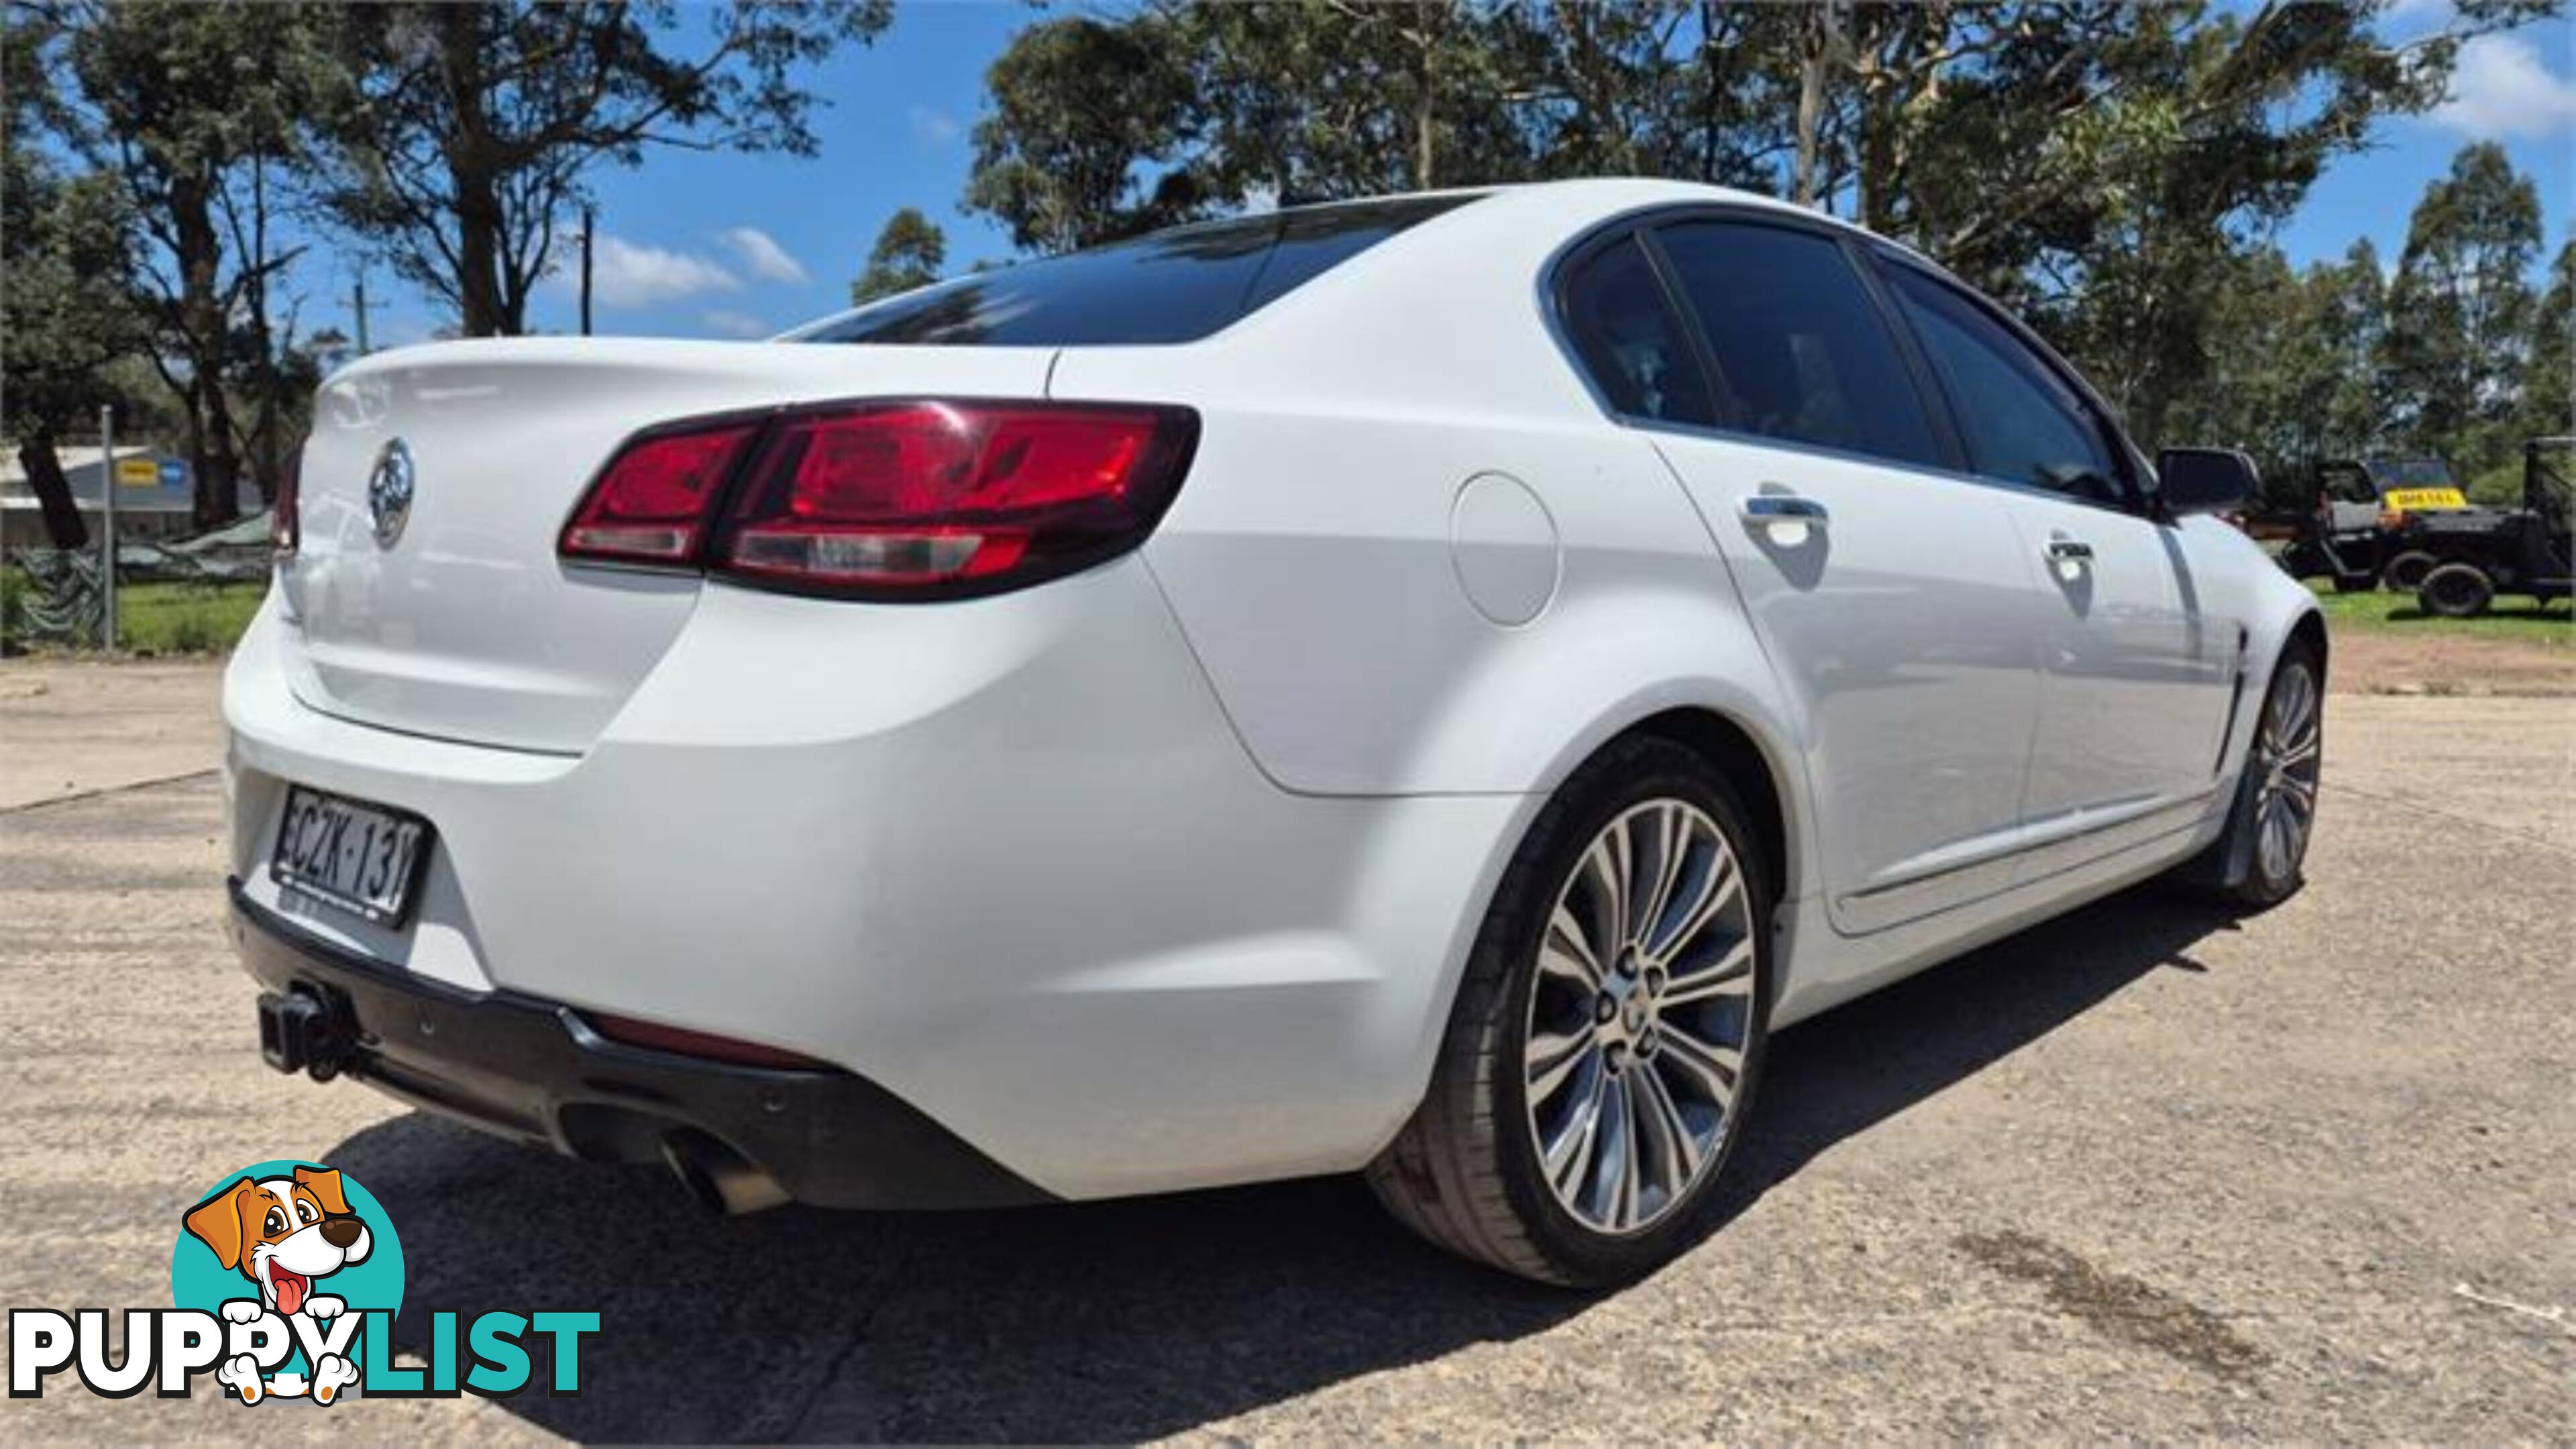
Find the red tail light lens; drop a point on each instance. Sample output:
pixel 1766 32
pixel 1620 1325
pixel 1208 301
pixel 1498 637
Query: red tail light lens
pixel 950 496
pixel 652 504
pixel 912 499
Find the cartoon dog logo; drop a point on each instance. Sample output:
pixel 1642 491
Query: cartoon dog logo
pixel 284 1234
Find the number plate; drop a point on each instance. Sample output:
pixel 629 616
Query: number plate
pixel 359 857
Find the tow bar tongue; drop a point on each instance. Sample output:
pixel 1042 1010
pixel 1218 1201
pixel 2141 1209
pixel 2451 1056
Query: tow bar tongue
pixel 300 1031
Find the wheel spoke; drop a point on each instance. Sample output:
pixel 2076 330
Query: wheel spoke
pixel 2275 839
pixel 1608 864
pixel 2303 702
pixel 1566 953
pixel 1553 1058
pixel 2300 795
pixel 1566 1158
pixel 1717 888
pixel 1672 848
pixel 1621 1117
pixel 1675 1148
pixel 1714 1068
pixel 1730 974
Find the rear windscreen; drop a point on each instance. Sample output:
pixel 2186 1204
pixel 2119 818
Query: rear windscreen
pixel 1172 286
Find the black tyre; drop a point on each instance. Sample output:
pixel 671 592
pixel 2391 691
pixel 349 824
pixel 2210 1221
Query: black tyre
pixel 2261 858
pixel 2456 591
pixel 2405 573
pixel 1607 1035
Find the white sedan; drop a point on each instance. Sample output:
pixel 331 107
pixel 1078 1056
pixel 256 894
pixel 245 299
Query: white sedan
pixel 1421 686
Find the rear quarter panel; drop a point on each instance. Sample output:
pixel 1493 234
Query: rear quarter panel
pixel 1314 558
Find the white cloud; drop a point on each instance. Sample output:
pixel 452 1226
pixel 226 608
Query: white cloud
pixel 634 274
pixel 2410 15
pixel 725 322
pixel 763 257
pixel 934 126
pixel 2503 88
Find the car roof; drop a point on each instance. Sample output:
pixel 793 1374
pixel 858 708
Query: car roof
pixel 1580 203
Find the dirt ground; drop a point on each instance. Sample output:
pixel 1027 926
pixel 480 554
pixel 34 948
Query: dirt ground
pixel 2393 661
pixel 2148 1171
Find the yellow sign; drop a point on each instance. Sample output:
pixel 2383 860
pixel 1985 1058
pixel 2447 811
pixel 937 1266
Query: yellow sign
pixel 2419 500
pixel 138 473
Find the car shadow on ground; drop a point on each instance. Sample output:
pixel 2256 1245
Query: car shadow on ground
pixel 1114 1321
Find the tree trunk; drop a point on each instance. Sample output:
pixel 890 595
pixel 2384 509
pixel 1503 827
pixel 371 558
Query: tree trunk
pixel 480 297
pixel 53 491
pixel 264 419
pixel 1814 54
pixel 203 329
pixel 1426 98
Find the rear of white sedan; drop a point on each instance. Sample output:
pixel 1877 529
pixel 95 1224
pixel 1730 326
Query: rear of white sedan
pixel 1420 686
pixel 777 759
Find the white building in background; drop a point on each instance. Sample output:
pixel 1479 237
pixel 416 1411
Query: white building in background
pixel 155 509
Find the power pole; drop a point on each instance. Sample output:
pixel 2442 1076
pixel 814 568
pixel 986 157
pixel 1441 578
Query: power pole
pixel 586 220
pixel 361 303
pixel 107 506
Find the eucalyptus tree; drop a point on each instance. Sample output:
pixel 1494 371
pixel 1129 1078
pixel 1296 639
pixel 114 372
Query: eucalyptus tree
pixel 474 126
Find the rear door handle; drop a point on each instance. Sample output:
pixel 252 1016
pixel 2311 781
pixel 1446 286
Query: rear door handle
pixel 1783 508
pixel 2069 550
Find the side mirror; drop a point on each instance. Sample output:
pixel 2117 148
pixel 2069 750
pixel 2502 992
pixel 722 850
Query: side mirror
pixel 2205 480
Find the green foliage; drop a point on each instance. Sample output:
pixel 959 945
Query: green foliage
pixel 2512 616
pixel 471 125
pixel 199 115
pixel 2111 168
pixel 2548 407
pixel 13 606
pixel 185 618
pixel 67 313
pixel 2456 367
pixel 909 253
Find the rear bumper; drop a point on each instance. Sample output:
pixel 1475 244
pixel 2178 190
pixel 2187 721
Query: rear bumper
pixel 1004 859
pixel 533 1070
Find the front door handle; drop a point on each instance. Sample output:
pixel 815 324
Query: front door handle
pixel 1783 508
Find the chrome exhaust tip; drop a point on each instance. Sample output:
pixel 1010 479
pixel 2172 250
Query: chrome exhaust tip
pixel 718 1178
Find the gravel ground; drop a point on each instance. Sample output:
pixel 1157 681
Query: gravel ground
pixel 2143 1172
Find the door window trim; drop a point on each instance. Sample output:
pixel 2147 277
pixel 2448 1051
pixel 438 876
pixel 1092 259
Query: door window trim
pixel 1867 254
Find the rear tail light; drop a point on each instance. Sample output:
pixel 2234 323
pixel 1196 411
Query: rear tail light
pixel 652 504
pixel 911 499
pixel 285 524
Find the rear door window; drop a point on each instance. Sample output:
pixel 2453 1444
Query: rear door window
pixel 1803 351
pixel 1173 286
pixel 1631 344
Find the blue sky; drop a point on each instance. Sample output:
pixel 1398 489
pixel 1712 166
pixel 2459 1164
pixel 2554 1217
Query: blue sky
pixel 697 245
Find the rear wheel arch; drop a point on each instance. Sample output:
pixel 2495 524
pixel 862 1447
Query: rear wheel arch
pixel 2310 632
pixel 1756 774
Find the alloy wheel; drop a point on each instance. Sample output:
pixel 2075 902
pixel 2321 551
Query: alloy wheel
pixel 1639 1017
pixel 2286 755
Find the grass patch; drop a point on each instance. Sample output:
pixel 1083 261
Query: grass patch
pixel 186 618
pixel 2510 617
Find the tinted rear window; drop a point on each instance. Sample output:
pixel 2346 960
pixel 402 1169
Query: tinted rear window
pixel 1173 286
